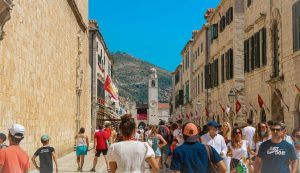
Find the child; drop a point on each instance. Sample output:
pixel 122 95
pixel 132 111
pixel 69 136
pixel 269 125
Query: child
pixel 46 155
pixel 2 140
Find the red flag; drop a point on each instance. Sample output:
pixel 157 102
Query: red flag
pixel 297 87
pixel 206 112
pixel 260 101
pixel 223 110
pixel 237 106
pixel 187 115
pixel 110 88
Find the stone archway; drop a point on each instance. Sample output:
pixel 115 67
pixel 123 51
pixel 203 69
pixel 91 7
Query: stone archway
pixel 263 117
pixel 277 109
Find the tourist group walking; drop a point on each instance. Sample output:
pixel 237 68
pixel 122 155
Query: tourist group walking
pixel 178 147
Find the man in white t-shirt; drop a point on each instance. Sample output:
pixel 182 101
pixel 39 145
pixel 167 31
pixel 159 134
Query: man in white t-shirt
pixel 213 139
pixel 248 132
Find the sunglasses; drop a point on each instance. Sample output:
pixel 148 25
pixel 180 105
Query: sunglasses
pixel 276 129
pixel 236 133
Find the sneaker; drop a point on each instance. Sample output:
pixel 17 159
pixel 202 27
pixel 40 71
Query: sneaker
pixel 78 169
pixel 93 170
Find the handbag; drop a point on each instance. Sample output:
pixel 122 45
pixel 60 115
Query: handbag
pixel 212 168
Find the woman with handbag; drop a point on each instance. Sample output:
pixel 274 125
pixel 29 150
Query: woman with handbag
pixel 129 155
pixel 238 150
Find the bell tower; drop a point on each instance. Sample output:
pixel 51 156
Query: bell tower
pixel 153 97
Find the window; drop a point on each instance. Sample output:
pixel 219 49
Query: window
pixel 153 83
pixel 201 47
pixel 222 69
pixel 296 26
pixel 216 72
pixel 198 84
pixel 222 23
pixel 176 78
pixel 229 16
pixel 187 92
pixel 255 51
pixel 249 2
pixel 198 51
pixel 214 32
pixel 207 76
pixel 275 43
pixel 229 64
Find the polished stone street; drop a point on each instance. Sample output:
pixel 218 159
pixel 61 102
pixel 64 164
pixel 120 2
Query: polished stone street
pixel 68 164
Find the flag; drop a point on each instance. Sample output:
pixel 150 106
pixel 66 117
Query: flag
pixel 260 101
pixel 110 88
pixel 187 116
pixel 223 110
pixel 281 100
pixel 297 87
pixel 206 112
pixel 237 106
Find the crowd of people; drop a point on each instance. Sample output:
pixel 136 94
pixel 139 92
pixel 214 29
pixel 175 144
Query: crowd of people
pixel 182 148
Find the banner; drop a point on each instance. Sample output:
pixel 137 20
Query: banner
pixel 110 88
pixel 141 116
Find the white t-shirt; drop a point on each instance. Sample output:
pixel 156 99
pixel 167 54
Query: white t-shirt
pixel 218 142
pixel 239 153
pixel 289 139
pixel 130 156
pixel 248 133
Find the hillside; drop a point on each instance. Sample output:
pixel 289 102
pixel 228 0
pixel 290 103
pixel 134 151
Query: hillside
pixel 131 77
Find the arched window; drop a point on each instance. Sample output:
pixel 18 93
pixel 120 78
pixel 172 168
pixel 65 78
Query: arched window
pixel 153 83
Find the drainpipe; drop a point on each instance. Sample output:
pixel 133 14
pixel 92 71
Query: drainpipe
pixel 94 83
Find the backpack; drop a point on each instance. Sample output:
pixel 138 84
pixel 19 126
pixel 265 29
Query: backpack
pixel 164 133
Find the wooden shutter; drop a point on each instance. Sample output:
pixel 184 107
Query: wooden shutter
pixel 231 63
pixel 258 49
pixel 222 69
pixel 216 72
pixel 245 56
pixel 231 14
pixel 252 53
pixel 264 46
pixel 296 26
pixel 227 65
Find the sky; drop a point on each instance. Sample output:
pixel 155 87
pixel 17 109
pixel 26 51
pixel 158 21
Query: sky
pixel 153 30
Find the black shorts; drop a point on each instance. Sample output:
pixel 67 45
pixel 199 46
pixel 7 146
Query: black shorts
pixel 98 152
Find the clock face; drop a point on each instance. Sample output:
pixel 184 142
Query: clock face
pixel 153 103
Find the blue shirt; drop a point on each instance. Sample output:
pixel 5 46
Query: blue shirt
pixel 276 157
pixel 193 158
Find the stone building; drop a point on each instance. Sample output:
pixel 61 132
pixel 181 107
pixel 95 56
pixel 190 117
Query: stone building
pixel 253 60
pixel 271 46
pixel 45 72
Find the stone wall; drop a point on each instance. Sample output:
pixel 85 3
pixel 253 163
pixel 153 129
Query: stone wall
pixel 38 73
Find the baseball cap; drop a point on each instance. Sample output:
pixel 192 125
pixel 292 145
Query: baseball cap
pixel 17 131
pixel 213 124
pixel 191 131
pixel 45 137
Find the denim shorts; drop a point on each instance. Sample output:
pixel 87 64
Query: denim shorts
pixel 81 150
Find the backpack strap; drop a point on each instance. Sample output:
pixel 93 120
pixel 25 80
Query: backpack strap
pixel 208 150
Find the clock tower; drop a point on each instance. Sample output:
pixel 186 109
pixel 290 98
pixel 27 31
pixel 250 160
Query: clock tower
pixel 153 98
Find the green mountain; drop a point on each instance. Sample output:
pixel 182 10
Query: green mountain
pixel 131 77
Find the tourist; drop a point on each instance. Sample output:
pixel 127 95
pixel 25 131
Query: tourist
pixel 238 149
pixel 226 132
pixel 14 158
pixel 2 140
pixel 248 132
pixel 100 146
pixel 82 146
pixel 192 156
pixel 261 135
pixel 129 155
pixel 46 156
pixel 285 136
pixel 276 155
pixel 296 138
pixel 113 136
pixel 213 139
pixel 164 131
pixel 156 141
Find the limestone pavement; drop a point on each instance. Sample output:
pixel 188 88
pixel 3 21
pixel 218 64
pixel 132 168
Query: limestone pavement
pixel 68 164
